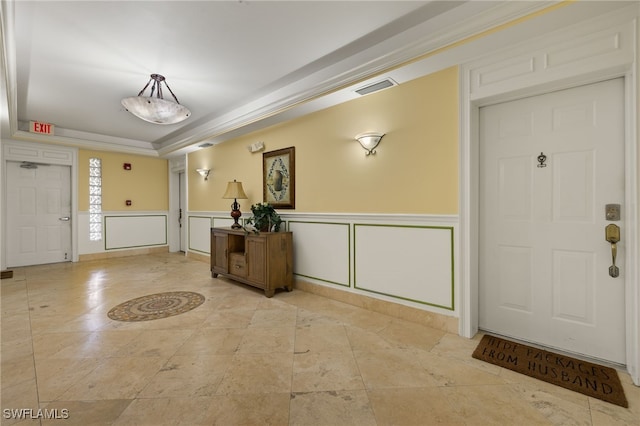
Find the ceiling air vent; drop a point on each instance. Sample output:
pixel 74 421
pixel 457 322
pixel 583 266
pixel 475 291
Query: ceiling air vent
pixel 376 86
pixel 205 145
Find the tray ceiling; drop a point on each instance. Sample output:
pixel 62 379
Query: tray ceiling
pixel 237 65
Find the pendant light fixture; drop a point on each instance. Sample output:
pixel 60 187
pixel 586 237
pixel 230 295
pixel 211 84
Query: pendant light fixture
pixel 156 109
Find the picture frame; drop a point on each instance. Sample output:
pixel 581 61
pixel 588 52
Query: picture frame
pixel 279 178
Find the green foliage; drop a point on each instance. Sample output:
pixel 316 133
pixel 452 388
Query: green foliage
pixel 265 217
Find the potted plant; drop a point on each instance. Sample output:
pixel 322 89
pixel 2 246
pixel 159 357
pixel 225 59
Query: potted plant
pixel 265 218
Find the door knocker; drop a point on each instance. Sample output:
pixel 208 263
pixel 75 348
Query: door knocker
pixel 541 159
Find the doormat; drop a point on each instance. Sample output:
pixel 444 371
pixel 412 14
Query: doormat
pixel 156 306
pixel 587 378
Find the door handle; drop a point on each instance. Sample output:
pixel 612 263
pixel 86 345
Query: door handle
pixel 64 219
pixel 612 235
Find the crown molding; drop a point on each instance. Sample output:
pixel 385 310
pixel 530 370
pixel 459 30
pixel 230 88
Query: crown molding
pixel 388 54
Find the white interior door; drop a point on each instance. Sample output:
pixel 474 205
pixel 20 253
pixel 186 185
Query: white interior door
pixel 38 214
pixel 544 262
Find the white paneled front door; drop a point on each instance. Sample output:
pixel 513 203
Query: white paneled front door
pixel 548 166
pixel 38 214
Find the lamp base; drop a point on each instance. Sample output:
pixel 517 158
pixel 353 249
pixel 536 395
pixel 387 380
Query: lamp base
pixel 235 214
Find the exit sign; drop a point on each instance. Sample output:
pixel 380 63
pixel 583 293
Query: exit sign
pixel 42 128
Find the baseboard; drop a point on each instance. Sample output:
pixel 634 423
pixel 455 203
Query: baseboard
pixel 123 253
pixel 199 257
pixel 407 313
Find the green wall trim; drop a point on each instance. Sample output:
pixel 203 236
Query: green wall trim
pixel 452 251
pixel 321 279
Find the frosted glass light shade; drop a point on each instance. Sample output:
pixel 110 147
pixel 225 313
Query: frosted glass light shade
pixel 204 173
pixel 156 110
pixel 369 141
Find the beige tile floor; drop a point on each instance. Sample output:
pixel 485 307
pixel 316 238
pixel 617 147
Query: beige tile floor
pixel 244 359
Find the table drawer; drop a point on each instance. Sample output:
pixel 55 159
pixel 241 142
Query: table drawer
pixel 238 264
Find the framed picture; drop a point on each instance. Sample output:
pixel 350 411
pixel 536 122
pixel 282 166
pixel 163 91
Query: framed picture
pixel 279 178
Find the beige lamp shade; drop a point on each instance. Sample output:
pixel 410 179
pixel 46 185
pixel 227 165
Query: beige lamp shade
pixel 235 191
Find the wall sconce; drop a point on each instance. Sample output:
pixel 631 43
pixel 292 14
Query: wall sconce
pixel 234 191
pixel 204 173
pixel 369 141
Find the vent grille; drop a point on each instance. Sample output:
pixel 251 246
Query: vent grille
pixel 205 145
pixel 376 86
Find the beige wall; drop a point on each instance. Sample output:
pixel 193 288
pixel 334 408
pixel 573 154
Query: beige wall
pixel 146 184
pixel 414 171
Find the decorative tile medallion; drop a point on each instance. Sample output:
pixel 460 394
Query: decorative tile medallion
pixel 156 306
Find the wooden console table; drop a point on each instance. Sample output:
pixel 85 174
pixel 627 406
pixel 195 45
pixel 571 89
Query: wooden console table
pixel 263 260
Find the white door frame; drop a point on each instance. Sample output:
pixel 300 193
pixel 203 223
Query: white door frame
pixel 610 46
pixel 46 154
pixel 176 166
pixel 182 210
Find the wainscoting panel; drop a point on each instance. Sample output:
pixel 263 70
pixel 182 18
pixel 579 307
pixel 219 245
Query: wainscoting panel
pixel 321 251
pixel 223 222
pixel 200 234
pixel 130 231
pixel 399 258
pixel 199 229
pixel 409 262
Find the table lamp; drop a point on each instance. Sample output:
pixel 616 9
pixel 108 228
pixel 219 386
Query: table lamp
pixel 234 191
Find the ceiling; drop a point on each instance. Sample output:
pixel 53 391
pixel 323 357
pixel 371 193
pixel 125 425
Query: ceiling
pixel 237 65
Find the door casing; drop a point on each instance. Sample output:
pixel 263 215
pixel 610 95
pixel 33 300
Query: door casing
pixel 576 74
pixel 46 154
pixel 176 166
